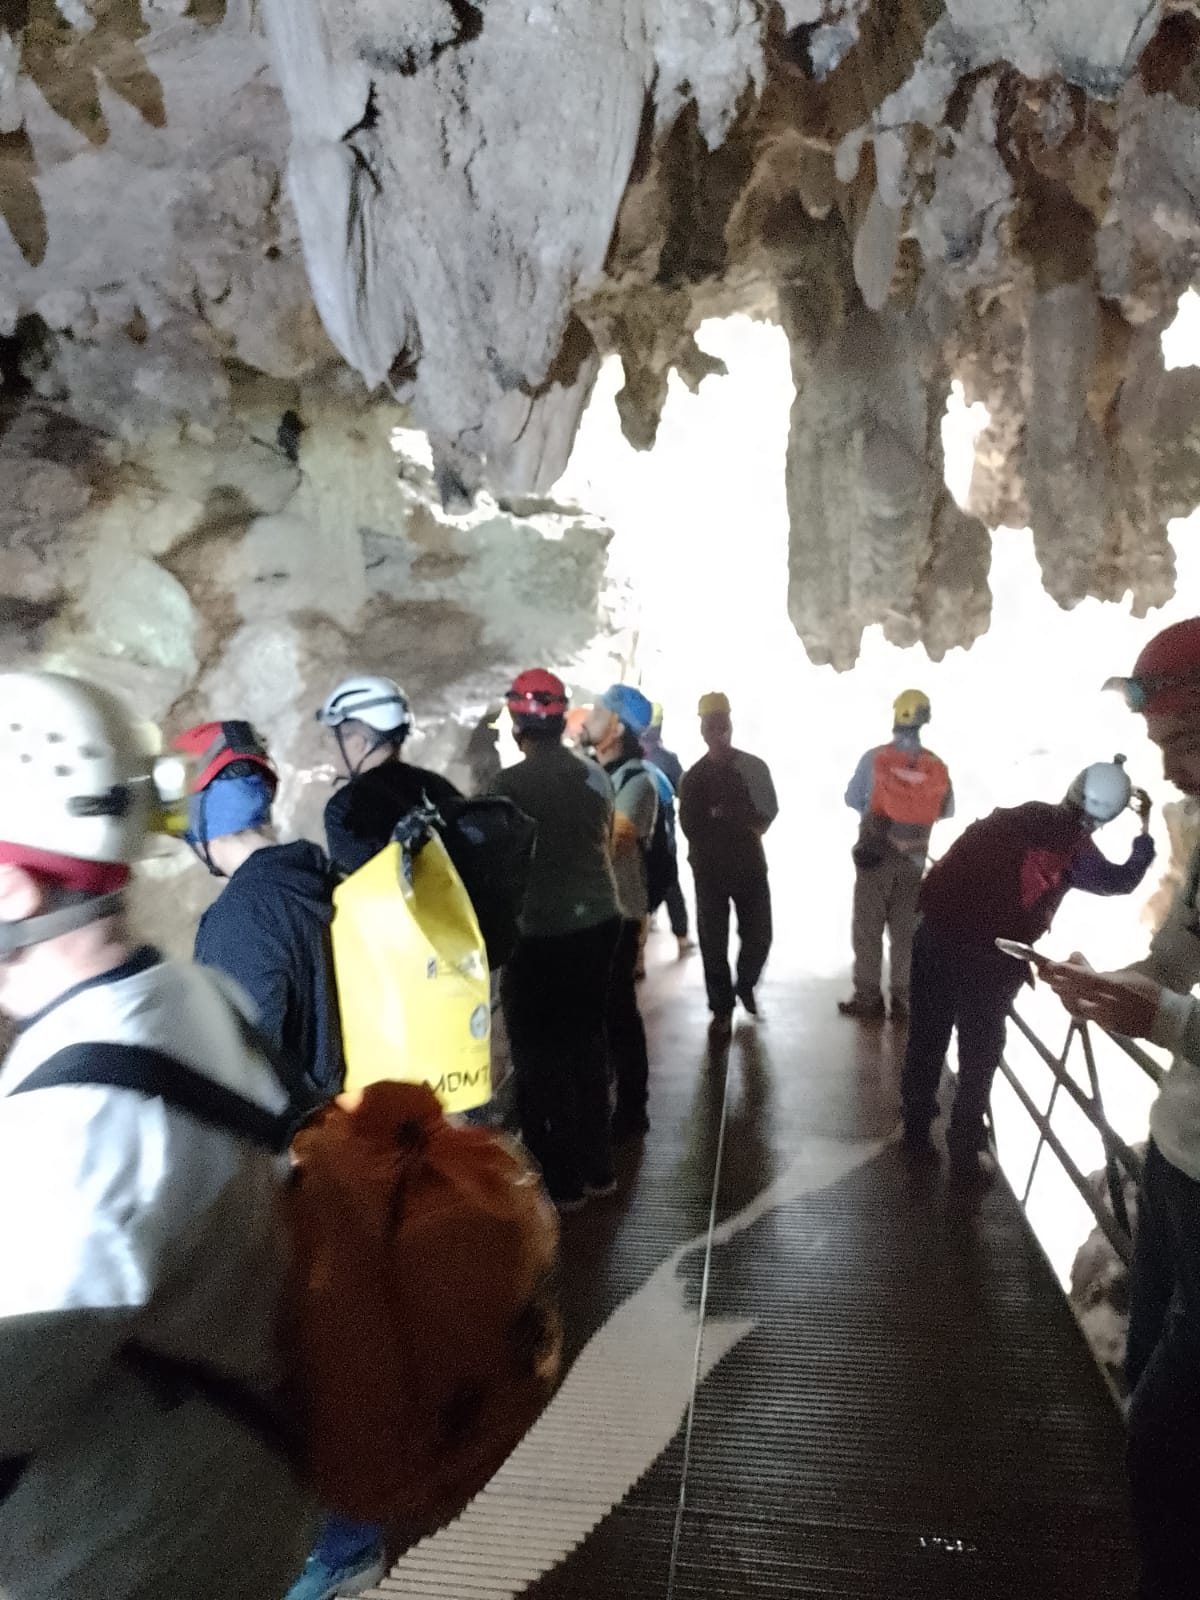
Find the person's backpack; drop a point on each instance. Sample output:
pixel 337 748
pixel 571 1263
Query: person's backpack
pixel 429 1338
pixel 411 951
pixel 490 842
pixel 659 854
pixel 411 969
pixel 425 1337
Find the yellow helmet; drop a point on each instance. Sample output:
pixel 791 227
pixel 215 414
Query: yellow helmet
pixel 911 710
pixel 714 705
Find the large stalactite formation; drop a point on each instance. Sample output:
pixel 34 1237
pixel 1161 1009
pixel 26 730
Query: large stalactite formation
pixel 445 213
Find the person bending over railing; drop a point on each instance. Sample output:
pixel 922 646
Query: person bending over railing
pixel 1005 878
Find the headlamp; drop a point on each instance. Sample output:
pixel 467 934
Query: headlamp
pixel 1139 692
pixel 173 777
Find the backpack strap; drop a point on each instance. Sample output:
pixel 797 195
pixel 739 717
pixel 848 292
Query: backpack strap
pixel 159 1076
pixel 173 1381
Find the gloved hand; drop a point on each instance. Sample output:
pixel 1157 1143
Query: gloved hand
pixel 866 854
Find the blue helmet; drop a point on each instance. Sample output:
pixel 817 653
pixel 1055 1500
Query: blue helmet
pixel 630 706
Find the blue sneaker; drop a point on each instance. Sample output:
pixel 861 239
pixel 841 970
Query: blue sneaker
pixel 320 1581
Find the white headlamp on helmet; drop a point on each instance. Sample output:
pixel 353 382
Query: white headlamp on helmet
pixel 1102 791
pixel 174 779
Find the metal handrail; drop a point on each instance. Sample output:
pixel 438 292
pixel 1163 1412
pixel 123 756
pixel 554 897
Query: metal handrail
pixel 1136 1054
pixel 1119 1158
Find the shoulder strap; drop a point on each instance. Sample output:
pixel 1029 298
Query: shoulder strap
pixel 172 1380
pixel 159 1076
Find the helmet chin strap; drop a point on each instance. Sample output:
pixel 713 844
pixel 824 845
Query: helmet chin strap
pixel 202 853
pixel 354 768
pixel 200 843
pixel 18 936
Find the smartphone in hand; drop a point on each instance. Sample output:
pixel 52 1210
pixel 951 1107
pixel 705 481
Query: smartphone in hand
pixel 1023 952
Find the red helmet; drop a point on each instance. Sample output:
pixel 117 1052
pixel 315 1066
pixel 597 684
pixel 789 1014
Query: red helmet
pixel 1166 676
pixel 537 695
pixel 213 746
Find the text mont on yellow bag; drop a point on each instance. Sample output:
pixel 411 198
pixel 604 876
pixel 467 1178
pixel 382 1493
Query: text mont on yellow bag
pixel 412 976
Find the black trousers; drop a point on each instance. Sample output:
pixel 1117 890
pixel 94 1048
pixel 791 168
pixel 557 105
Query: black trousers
pixel 677 910
pixel 955 988
pixel 1163 1364
pixel 750 897
pixel 626 1031
pixel 554 993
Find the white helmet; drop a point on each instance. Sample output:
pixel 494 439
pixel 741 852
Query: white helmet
pixel 1102 791
pixel 379 702
pixel 76 781
pixel 76 778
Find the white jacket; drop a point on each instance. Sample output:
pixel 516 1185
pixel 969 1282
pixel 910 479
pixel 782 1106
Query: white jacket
pixel 120 1219
pixel 1174 961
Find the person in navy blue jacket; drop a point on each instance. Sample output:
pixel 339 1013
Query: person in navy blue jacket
pixel 269 930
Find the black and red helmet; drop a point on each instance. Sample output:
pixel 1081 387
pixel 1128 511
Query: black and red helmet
pixel 537 696
pixel 213 747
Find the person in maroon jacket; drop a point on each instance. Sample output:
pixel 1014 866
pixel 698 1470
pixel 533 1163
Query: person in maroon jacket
pixel 1005 878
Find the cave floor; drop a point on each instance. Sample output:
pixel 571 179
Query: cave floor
pixel 885 1394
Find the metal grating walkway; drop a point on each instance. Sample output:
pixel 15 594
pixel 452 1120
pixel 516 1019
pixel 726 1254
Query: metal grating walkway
pixel 887 1396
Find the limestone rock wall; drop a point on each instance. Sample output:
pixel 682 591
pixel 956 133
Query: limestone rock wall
pixel 215 210
pixel 204 504
pixel 203 572
pixel 923 190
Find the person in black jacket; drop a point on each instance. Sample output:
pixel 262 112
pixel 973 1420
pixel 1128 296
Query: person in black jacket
pixel 269 930
pixel 727 802
pixel 371 720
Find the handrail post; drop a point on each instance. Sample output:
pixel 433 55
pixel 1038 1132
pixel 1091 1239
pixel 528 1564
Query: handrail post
pixel 1116 1185
pixel 1119 1157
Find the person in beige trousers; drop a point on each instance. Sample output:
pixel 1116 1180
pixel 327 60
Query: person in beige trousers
pixel 899 790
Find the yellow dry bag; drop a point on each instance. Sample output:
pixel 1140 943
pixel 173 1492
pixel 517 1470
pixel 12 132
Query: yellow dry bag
pixel 412 976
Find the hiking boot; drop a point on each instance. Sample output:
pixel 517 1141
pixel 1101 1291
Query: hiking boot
pixel 721 1025
pixel 319 1581
pixel 629 1125
pixel 863 1010
pixel 686 947
pixel 749 1003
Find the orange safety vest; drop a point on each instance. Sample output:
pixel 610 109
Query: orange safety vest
pixel 909 787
